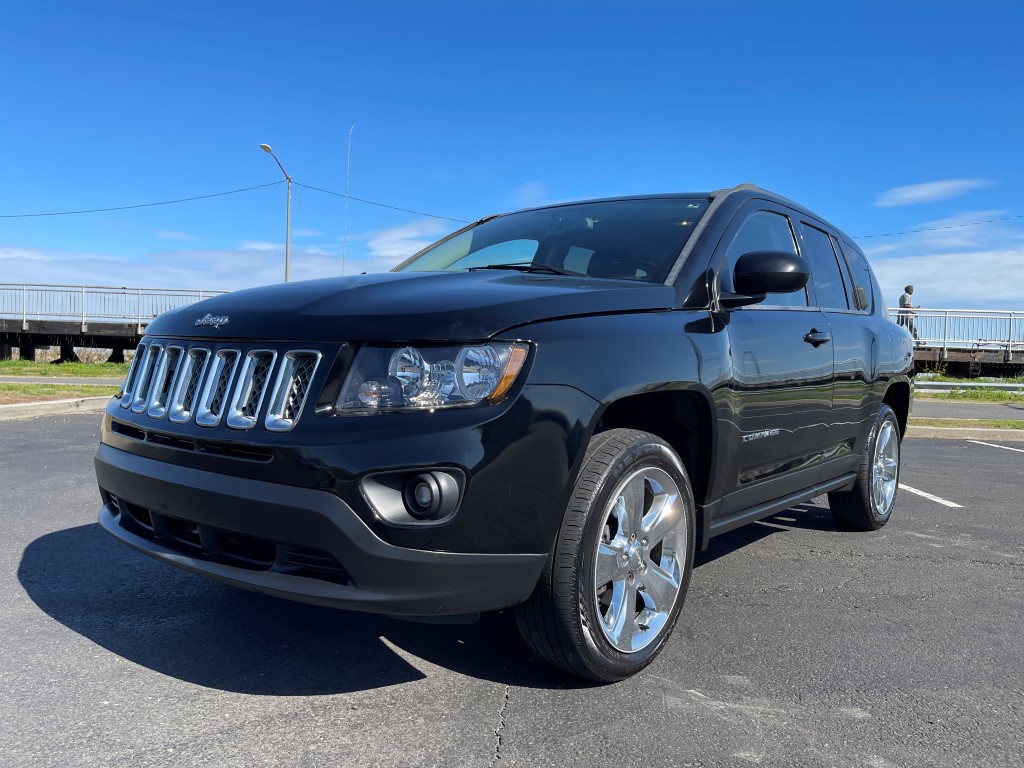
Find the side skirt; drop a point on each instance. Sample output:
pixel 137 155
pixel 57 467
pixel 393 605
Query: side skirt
pixel 736 519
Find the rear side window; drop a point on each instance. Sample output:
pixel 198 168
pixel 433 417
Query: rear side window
pixel 829 288
pixel 860 291
pixel 763 231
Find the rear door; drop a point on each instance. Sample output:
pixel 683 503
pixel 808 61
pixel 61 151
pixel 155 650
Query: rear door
pixel 779 393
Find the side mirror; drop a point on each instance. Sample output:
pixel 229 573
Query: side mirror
pixel 761 272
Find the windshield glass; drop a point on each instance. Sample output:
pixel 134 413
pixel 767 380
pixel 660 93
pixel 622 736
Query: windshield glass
pixel 623 239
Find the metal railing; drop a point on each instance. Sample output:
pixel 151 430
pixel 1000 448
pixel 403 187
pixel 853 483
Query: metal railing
pixel 91 303
pixel 970 329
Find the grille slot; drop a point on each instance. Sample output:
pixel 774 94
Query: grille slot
pixel 291 389
pixel 186 389
pixel 128 388
pixel 144 381
pixel 251 388
pixel 163 381
pixel 214 393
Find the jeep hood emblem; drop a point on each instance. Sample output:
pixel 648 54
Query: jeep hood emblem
pixel 215 320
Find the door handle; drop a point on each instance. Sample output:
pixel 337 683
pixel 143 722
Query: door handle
pixel 816 338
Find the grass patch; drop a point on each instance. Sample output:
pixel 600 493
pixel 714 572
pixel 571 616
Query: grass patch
pixel 78 370
pixel 35 393
pixel 969 423
pixel 974 395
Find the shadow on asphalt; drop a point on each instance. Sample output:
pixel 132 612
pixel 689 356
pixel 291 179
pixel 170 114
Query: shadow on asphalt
pixel 230 639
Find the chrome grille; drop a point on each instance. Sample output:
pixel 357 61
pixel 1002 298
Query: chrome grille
pixel 210 386
pixel 251 387
pixel 291 388
pixel 215 391
pixel 144 378
pixel 128 389
pixel 164 377
pixel 186 389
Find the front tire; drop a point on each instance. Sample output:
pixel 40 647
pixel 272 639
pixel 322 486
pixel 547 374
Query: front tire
pixel 869 504
pixel 613 586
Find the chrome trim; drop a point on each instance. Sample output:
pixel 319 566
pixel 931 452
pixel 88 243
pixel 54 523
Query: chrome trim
pixel 220 370
pixel 247 398
pixel 144 383
pixel 129 379
pixel 181 411
pixel 163 381
pixel 285 387
pixel 211 385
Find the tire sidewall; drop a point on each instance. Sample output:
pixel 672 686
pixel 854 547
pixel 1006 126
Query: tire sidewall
pixel 649 453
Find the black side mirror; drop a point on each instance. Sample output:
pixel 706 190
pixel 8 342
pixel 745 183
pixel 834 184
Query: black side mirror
pixel 760 272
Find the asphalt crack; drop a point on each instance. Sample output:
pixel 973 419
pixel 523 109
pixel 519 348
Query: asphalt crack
pixel 499 739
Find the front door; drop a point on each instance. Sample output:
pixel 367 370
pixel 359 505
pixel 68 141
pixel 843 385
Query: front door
pixel 781 363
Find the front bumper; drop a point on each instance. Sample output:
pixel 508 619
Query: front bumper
pixel 297 543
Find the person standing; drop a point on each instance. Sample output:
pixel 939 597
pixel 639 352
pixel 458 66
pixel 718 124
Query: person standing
pixel 906 316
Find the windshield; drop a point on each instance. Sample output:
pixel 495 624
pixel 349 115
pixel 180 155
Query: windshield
pixel 623 239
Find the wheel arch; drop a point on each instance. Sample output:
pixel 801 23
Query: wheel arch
pixel 683 418
pixel 897 397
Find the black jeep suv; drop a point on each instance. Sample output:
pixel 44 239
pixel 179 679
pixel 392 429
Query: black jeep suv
pixel 550 409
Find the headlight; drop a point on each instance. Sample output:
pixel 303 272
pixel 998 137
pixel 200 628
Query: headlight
pixel 425 377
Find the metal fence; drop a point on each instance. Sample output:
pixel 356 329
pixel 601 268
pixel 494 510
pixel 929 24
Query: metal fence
pixel 91 303
pixel 969 329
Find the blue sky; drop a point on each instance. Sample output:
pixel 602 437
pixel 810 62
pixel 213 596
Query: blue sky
pixel 880 116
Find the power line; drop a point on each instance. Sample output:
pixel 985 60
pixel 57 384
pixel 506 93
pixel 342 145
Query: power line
pixel 417 213
pixel 937 229
pixel 381 205
pixel 139 205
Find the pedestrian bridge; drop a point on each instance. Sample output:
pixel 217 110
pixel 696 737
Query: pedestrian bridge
pixel 96 316
pixel 37 315
pixel 968 339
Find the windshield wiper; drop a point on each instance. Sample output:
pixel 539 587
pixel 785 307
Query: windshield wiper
pixel 529 266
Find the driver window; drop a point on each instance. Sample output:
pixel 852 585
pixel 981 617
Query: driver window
pixel 763 231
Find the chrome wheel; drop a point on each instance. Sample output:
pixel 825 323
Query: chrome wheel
pixel 640 561
pixel 885 468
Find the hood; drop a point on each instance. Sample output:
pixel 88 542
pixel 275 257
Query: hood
pixel 406 306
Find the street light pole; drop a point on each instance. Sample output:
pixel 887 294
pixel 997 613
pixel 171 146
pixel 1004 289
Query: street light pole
pixel 288 211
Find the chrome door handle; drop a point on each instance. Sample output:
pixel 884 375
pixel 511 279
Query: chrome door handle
pixel 816 338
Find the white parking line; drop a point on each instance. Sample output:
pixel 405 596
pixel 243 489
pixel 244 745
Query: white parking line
pixel 993 445
pixel 936 499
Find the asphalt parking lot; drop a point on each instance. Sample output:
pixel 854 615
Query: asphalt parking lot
pixel 799 645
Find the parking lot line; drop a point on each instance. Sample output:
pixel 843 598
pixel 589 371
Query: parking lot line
pixel 936 499
pixel 993 445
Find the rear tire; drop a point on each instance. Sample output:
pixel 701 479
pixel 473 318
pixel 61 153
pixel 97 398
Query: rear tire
pixel 613 586
pixel 869 504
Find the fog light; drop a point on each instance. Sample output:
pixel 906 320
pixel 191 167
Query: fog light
pixel 423 494
pixel 415 497
pixel 431 495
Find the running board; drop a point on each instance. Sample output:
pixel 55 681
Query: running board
pixel 737 519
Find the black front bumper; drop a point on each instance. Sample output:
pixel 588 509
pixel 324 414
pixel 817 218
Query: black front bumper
pixel 315 548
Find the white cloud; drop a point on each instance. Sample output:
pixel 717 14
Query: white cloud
pixel 307 233
pixel 171 235
pixel 260 245
pixel 529 194
pixel 963 280
pixel 252 263
pixel 979 266
pixel 929 192
pixel 397 243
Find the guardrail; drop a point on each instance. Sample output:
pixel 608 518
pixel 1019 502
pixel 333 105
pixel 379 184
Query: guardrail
pixel 91 303
pixel 967 329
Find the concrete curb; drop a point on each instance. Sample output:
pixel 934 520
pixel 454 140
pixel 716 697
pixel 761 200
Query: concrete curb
pixel 51 407
pixel 967 433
